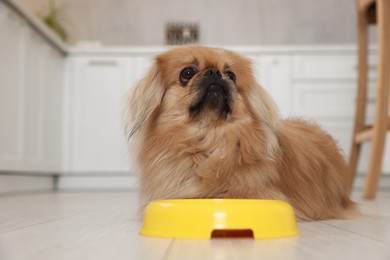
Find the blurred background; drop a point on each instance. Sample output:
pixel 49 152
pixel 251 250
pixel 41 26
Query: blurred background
pixel 66 64
pixel 231 22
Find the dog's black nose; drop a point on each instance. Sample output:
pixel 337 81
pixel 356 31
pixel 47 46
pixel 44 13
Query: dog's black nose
pixel 213 73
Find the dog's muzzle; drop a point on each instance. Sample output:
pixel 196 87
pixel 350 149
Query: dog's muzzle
pixel 213 93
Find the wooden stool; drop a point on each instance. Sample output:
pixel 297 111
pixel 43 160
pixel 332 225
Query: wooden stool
pixel 372 12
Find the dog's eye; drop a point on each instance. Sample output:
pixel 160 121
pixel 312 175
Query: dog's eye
pixel 187 74
pixel 231 75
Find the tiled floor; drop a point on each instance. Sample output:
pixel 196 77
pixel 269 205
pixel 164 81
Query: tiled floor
pixel 104 226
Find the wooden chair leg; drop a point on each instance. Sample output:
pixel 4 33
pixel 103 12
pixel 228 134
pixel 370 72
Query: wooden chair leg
pixel 382 94
pixel 362 91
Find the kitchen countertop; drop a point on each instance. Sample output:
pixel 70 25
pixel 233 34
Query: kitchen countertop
pixel 38 25
pixel 331 49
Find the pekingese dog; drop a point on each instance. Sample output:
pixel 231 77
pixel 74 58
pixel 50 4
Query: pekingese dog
pixel 201 127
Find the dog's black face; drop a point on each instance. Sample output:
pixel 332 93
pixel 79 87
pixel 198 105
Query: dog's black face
pixel 213 93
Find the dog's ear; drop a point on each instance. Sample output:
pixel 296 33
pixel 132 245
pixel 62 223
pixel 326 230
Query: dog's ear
pixel 265 110
pixel 262 105
pixel 143 100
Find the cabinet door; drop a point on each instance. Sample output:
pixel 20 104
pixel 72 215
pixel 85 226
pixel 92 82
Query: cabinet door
pixel 274 74
pixel 30 100
pixel 53 111
pixel 98 141
pixel 34 105
pixel 11 90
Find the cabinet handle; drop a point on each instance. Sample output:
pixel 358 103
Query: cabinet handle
pixel 103 63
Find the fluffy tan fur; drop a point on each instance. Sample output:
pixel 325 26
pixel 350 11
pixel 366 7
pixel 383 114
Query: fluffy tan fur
pixel 252 154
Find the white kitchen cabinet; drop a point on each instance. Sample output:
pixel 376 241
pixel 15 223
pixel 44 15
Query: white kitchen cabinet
pixel 43 107
pixel 31 88
pixel 97 141
pixel 12 31
pixel 53 112
pixel 34 105
pixel 95 103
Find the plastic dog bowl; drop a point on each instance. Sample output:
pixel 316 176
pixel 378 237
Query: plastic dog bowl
pixel 219 218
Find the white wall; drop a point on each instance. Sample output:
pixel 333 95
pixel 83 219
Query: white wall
pixel 229 22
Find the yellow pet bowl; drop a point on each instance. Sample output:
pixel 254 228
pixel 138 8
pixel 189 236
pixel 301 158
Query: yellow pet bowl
pixel 219 218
